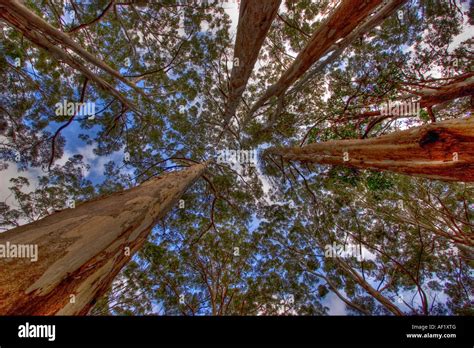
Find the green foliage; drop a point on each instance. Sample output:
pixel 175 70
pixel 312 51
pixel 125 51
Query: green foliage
pixel 377 181
pixel 281 222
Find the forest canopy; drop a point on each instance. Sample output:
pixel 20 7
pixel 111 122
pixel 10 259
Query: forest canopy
pixel 252 157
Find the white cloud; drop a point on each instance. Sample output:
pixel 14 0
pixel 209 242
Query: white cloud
pixel 335 304
pixel 12 172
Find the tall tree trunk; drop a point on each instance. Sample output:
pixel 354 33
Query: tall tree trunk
pixel 63 56
pixel 255 18
pixel 81 250
pixel 49 38
pixel 443 150
pixel 346 17
pixel 457 89
pixel 26 20
pixel 462 86
pixel 385 11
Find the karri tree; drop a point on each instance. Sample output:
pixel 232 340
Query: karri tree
pixel 160 226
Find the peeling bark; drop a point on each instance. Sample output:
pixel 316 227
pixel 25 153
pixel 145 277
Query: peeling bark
pixel 341 23
pixel 255 18
pixel 81 250
pixel 442 150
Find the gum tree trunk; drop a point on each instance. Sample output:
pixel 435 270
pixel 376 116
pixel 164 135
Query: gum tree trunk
pixel 457 89
pixel 81 250
pixel 378 16
pixel 51 39
pixel 255 18
pixel 443 150
pixel 27 21
pixel 345 18
pixel 461 87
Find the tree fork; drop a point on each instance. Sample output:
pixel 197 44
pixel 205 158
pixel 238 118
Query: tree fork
pixel 81 250
pixel 442 150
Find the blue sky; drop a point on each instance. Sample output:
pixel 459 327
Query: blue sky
pixel 74 145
